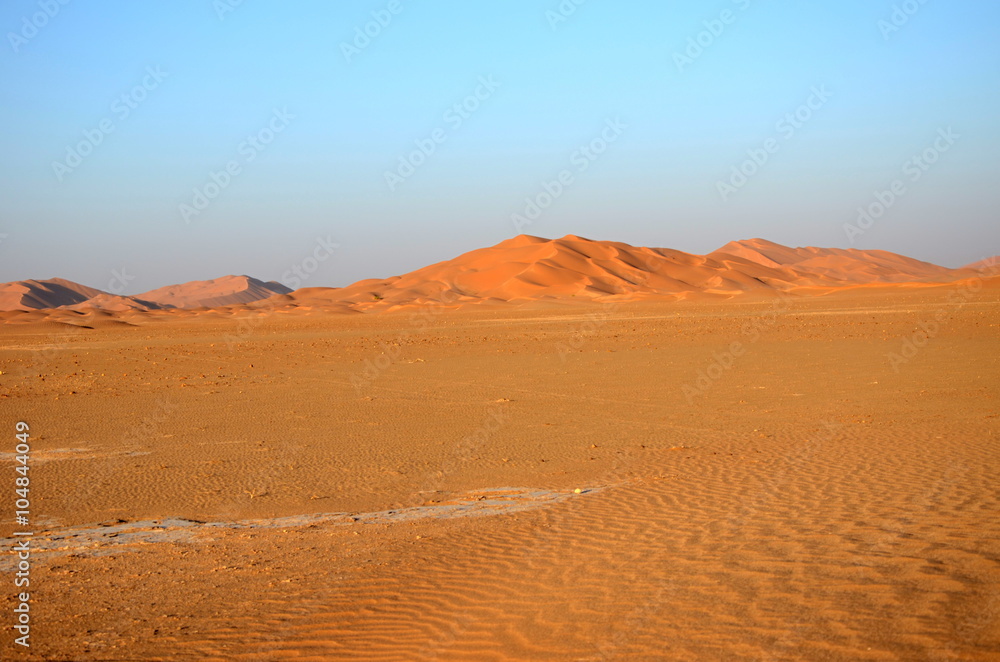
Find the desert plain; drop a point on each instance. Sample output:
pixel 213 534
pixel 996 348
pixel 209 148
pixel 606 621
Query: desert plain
pixel 793 474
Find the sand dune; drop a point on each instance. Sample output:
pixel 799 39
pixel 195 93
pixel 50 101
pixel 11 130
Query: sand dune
pixel 569 270
pixel 836 265
pixel 213 293
pixel 527 268
pixel 51 293
pixel 990 263
pixel 113 302
pixel 55 293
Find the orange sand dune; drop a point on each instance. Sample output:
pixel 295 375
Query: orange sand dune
pixel 528 268
pixel 51 293
pixel 60 293
pixel 213 293
pixel 112 302
pixel 990 263
pixel 569 270
pixel 836 264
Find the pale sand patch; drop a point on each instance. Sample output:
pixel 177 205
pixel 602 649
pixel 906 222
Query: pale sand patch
pixel 811 503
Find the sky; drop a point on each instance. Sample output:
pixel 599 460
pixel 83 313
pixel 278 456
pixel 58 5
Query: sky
pixel 146 144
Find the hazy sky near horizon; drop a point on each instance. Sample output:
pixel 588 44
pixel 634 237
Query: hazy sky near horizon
pixel 197 138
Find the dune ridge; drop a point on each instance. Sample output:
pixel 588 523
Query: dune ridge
pixel 214 293
pixel 51 293
pixel 985 264
pixel 528 268
pixel 522 269
pixel 28 295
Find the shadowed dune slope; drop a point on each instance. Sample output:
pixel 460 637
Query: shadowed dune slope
pixel 527 268
pixel 836 265
pixel 29 295
pixel 522 269
pixel 51 293
pixel 989 263
pixel 213 293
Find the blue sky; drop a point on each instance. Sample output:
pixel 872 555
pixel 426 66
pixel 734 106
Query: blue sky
pixel 153 98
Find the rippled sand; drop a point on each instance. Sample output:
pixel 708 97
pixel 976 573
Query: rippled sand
pixel 293 488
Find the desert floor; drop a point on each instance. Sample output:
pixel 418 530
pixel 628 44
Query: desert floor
pixel 404 486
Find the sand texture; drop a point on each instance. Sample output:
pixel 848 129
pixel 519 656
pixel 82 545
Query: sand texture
pixel 605 479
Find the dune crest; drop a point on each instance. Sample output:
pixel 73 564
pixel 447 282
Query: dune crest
pixel 51 293
pixel 990 263
pixel 28 295
pixel 213 293
pixel 573 268
pixel 522 269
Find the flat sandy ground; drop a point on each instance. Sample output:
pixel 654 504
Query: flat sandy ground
pixel 391 487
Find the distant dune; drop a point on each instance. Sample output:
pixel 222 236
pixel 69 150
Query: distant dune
pixel 213 293
pixel 992 263
pixel 114 303
pixel 522 269
pixel 835 265
pixel 528 268
pixel 35 294
pixel 59 293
